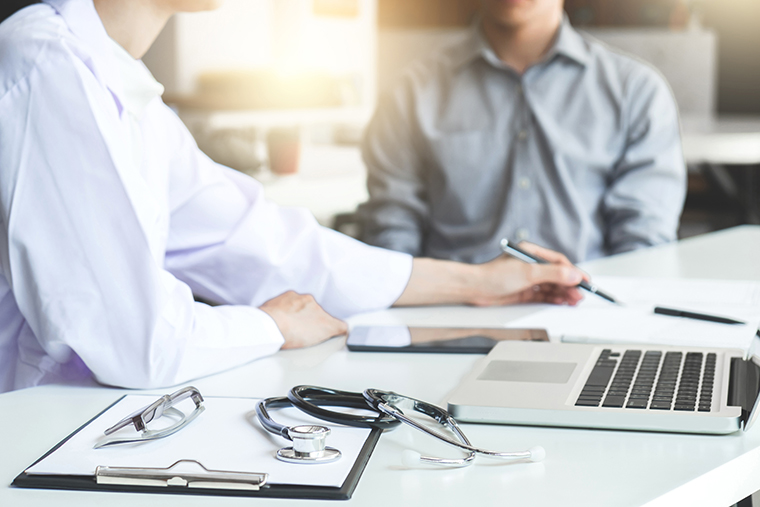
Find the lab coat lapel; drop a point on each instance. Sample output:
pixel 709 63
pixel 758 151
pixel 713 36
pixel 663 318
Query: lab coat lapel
pixel 83 21
pixel 97 53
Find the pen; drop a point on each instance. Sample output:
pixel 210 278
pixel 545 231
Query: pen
pixel 694 315
pixel 524 256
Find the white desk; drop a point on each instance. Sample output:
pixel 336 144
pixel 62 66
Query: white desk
pixel 582 468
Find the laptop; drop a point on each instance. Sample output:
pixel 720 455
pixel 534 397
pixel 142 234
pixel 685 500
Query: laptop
pixel 633 387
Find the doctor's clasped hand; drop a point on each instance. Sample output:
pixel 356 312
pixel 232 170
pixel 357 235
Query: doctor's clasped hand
pixel 301 320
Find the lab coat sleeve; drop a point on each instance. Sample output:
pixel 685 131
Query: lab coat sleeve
pixel 643 203
pixel 231 245
pixel 78 262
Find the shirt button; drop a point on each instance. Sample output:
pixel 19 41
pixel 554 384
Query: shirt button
pixel 522 234
pixel 524 183
pixel 522 135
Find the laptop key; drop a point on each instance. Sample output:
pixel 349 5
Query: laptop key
pixel 636 403
pixel 587 403
pixel 660 405
pixel 614 401
pixel 600 376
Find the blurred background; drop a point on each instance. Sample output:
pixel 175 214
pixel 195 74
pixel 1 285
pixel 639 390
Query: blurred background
pixel 282 89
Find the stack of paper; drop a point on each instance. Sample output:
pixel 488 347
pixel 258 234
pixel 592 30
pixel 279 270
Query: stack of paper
pixel 596 320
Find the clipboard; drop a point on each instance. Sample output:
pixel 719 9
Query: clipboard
pixel 182 474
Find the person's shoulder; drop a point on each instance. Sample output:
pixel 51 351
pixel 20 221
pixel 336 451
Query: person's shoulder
pixel 434 67
pixel 27 38
pixel 630 71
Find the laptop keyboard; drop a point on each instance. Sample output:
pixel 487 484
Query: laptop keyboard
pixel 682 383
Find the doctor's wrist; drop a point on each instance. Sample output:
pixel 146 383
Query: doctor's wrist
pixel 440 282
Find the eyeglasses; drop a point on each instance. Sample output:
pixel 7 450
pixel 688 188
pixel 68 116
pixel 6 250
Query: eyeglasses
pixel 162 406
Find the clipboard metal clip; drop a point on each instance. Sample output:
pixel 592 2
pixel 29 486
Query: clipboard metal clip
pixel 167 477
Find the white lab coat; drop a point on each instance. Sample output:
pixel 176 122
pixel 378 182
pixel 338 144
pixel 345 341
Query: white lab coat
pixel 100 254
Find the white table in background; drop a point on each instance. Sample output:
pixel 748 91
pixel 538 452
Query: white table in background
pixel 712 144
pixel 582 468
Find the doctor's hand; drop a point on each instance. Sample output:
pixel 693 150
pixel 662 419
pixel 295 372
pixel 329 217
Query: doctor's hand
pixel 301 320
pixel 502 281
pixel 513 281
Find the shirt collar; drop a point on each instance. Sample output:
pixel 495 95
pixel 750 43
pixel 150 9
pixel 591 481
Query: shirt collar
pixel 474 46
pixel 568 43
pixel 138 84
pixel 571 44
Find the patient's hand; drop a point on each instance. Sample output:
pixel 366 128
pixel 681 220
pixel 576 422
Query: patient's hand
pixel 301 320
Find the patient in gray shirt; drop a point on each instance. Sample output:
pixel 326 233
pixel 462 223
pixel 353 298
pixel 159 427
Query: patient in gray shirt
pixel 575 147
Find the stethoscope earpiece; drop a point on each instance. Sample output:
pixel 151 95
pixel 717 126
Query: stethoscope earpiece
pixel 537 454
pixel 410 458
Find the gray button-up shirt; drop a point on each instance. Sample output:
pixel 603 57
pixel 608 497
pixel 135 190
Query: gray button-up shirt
pixel 581 154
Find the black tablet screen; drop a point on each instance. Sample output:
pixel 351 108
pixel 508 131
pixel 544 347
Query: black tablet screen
pixel 436 339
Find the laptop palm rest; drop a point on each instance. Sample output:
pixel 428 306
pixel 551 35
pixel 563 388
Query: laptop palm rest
pixel 528 371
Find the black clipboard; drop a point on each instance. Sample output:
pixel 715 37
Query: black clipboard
pixel 89 482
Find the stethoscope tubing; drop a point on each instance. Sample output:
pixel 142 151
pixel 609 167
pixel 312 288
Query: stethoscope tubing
pixel 266 420
pixel 380 400
pixel 310 400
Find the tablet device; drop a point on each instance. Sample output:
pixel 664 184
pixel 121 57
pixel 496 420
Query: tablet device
pixel 436 339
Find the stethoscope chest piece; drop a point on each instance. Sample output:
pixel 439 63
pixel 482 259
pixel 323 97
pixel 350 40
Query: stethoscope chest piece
pixel 308 446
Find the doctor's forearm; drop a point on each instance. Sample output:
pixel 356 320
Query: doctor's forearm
pixel 503 280
pixel 440 282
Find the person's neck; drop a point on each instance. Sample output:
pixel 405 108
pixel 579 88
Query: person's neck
pixel 524 45
pixel 120 17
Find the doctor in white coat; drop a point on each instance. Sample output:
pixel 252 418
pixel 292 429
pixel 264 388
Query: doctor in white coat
pixel 111 220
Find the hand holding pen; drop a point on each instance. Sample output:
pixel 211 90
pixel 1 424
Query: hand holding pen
pixel 525 256
pixel 556 281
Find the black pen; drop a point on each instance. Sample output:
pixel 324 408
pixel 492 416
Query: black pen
pixel 524 256
pixel 694 315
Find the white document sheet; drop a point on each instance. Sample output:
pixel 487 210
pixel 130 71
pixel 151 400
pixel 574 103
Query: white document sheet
pixel 226 436
pixel 597 320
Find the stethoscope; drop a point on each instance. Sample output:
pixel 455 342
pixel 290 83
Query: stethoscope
pixel 309 441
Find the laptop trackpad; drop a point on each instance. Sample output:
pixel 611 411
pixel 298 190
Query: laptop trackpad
pixel 528 371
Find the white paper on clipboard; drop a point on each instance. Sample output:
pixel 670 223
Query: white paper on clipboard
pixel 226 436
